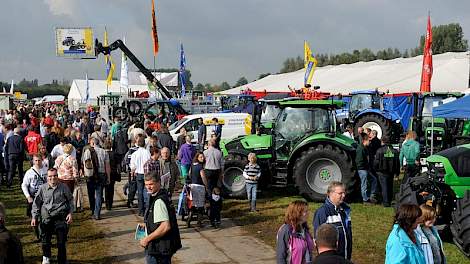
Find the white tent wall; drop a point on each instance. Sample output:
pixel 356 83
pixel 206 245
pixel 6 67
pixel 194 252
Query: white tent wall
pixel 137 82
pixel 402 75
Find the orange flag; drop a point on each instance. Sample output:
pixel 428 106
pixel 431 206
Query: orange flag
pixel 154 30
pixel 426 72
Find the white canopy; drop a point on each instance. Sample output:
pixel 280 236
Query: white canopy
pixel 137 82
pixel 402 75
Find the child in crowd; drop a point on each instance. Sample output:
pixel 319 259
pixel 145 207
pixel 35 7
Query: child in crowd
pixel 252 173
pixel 215 201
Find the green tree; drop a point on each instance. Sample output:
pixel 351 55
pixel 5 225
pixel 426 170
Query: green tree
pixel 241 81
pixel 445 38
pixel 292 64
pixel 224 86
pixel 199 87
pixel 261 76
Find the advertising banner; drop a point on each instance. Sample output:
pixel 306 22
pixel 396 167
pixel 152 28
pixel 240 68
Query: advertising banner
pixel 75 42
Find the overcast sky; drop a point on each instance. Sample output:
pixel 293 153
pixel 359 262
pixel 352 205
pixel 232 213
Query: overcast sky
pixel 223 39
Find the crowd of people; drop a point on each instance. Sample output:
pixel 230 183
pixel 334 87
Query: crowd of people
pixel 378 163
pixel 67 148
pixel 413 239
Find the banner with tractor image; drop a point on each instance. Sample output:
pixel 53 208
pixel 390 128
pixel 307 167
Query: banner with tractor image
pixel 75 42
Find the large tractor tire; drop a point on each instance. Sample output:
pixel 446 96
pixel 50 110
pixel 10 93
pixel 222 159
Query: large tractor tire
pixel 233 182
pixel 375 122
pixel 318 166
pixel 406 195
pixel 460 226
pixel 134 108
pixel 121 113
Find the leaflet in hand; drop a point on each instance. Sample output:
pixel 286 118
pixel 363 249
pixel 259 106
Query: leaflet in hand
pixel 140 232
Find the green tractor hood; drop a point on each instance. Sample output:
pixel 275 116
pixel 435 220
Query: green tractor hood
pixel 260 144
pixel 452 167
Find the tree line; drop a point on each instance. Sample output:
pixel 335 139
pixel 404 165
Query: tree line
pixel 445 38
pixel 33 89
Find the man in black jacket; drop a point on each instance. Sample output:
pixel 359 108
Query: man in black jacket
pixel 386 164
pixel 326 242
pixel 362 164
pixel 163 238
pixel 15 151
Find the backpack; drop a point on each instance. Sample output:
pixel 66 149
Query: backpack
pixel 91 165
pixel 120 142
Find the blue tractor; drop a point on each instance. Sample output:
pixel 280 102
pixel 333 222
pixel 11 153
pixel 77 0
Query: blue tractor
pixel 374 110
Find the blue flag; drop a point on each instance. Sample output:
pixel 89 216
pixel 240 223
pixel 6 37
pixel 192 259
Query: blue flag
pixel 182 71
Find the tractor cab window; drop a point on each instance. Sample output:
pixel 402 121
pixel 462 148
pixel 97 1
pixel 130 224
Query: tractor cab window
pixel 360 102
pixel 177 123
pixel 192 125
pixel 294 123
pixel 270 112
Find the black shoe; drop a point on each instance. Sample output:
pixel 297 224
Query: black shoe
pixel 129 205
pixel 141 214
pixel 96 217
pixel 108 208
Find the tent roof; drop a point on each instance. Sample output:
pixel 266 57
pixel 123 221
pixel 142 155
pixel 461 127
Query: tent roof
pixel 401 75
pixel 98 87
pixel 459 108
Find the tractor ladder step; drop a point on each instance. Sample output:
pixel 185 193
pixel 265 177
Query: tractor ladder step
pixel 280 176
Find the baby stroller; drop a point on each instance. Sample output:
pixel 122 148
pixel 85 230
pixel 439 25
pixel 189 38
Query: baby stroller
pixel 193 203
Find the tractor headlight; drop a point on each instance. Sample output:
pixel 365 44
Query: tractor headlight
pixel 397 121
pixel 437 171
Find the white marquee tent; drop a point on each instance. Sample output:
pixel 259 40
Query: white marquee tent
pixel 450 73
pixel 137 82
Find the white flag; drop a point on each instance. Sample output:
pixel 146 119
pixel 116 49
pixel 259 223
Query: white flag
pixel 124 82
pixel 87 95
pixel 12 85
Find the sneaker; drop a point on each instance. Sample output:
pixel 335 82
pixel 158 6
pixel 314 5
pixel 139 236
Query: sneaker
pixel 45 260
pixel 96 217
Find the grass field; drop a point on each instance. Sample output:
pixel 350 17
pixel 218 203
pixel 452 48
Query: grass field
pixel 371 226
pixel 85 243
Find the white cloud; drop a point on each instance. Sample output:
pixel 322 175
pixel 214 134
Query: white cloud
pixel 60 7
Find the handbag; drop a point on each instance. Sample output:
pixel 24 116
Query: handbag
pixel 77 197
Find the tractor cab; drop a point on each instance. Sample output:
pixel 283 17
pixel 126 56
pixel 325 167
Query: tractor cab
pixel 428 128
pixel 270 107
pixel 362 100
pixel 298 120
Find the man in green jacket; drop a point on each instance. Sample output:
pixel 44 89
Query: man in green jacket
pixel 410 153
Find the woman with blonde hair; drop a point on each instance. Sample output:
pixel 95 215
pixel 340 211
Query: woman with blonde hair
pixel 428 236
pixel 67 167
pixel 294 241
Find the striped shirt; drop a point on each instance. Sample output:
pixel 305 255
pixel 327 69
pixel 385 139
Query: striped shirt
pixel 252 170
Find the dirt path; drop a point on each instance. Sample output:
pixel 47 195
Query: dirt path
pixel 229 244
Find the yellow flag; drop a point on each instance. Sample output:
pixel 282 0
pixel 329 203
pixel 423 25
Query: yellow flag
pixel 310 64
pixel 109 63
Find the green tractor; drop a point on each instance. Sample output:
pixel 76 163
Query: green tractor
pixel 446 187
pixel 437 130
pixel 303 147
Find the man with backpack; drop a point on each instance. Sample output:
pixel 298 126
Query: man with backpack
pixel 386 164
pixel 163 237
pixel 97 170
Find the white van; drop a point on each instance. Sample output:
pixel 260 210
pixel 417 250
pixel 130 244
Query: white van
pixel 233 125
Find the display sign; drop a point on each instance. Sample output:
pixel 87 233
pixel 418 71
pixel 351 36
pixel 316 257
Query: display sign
pixel 75 42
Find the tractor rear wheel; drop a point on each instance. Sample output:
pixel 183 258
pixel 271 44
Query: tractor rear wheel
pixel 121 113
pixel 318 166
pixel 233 182
pixel 460 226
pixel 375 122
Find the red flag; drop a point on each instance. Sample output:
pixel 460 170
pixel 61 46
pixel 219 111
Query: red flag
pixel 426 72
pixel 154 30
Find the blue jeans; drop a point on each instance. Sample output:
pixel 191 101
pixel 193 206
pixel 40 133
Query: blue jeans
pixel 364 175
pixel 251 193
pixel 142 195
pixel 98 199
pixel 151 259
